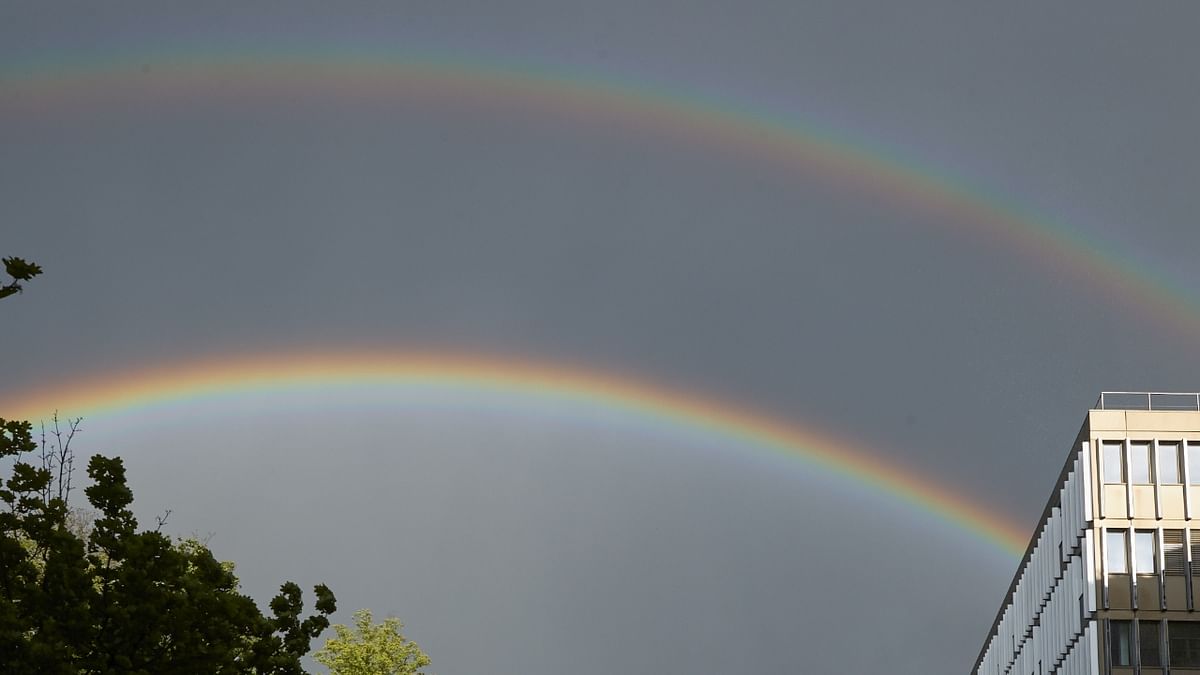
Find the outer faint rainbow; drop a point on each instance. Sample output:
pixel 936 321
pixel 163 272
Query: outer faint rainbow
pixel 136 81
pixel 531 381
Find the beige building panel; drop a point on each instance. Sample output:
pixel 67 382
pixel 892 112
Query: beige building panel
pixel 1114 435
pixel 1106 420
pixel 1172 501
pixel 1159 422
pixel 1143 524
pixel 1114 502
pixel 1143 501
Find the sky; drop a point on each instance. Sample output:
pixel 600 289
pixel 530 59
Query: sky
pixel 930 234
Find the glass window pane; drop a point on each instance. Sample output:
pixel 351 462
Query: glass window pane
pixel 1144 557
pixel 1183 643
pixel 1168 463
pixel 1114 462
pixel 1148 647
pixel 1119 643
pixel 1114 544
pixel 1139 463
pixel 1193 460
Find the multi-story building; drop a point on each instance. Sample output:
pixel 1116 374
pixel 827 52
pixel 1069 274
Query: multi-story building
pixel 1110 582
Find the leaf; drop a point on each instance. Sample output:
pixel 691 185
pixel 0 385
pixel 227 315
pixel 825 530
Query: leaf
pixel 21 270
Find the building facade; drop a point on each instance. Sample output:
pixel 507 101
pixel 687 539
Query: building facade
pixel 1110 582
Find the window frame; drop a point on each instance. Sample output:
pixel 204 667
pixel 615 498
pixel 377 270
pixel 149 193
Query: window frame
pixel 1176 466
pixel 1156 660
pixel 1123 627
pixel 1175 551
pixel 1138 551
pixel 1123 536
pixel 1191 454
pixel 1119 446
pixel 1192 644
pixel 1135 448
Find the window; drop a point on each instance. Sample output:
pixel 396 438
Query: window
pixel 1148 644
pixel 1139 463
pixel 1114 461
pixel 1114 544
pixel 1174 558
pixel 1144 554
pixel 1119 643
pixel 1168 463
pixel 1193 463
pixel 1183 641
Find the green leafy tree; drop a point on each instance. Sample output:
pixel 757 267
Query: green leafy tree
pixel 20 271
pixel 371 649
pixel 83 591
pixel 112 599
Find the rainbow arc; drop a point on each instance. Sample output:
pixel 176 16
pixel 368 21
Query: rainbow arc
pixel 239 75
pixel 553 389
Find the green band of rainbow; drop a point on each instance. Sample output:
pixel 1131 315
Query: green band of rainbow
pixel 548 385
pixel 76 87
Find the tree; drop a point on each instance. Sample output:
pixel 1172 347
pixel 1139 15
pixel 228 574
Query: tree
pixel 371 649
pixel 20 271
pixel 114 599
pixel 84 591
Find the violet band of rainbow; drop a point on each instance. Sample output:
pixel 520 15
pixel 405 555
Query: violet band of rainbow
pixel 539 383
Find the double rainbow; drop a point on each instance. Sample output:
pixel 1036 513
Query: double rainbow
pixel 159 78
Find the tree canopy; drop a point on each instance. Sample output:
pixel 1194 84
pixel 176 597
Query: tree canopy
pixel 371 649
pixel 119 600
pixel 90 593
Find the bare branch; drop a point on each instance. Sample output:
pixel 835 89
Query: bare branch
pixel 56 456
pixel 162 520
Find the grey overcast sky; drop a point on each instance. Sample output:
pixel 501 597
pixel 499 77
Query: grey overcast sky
pixel 319 218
